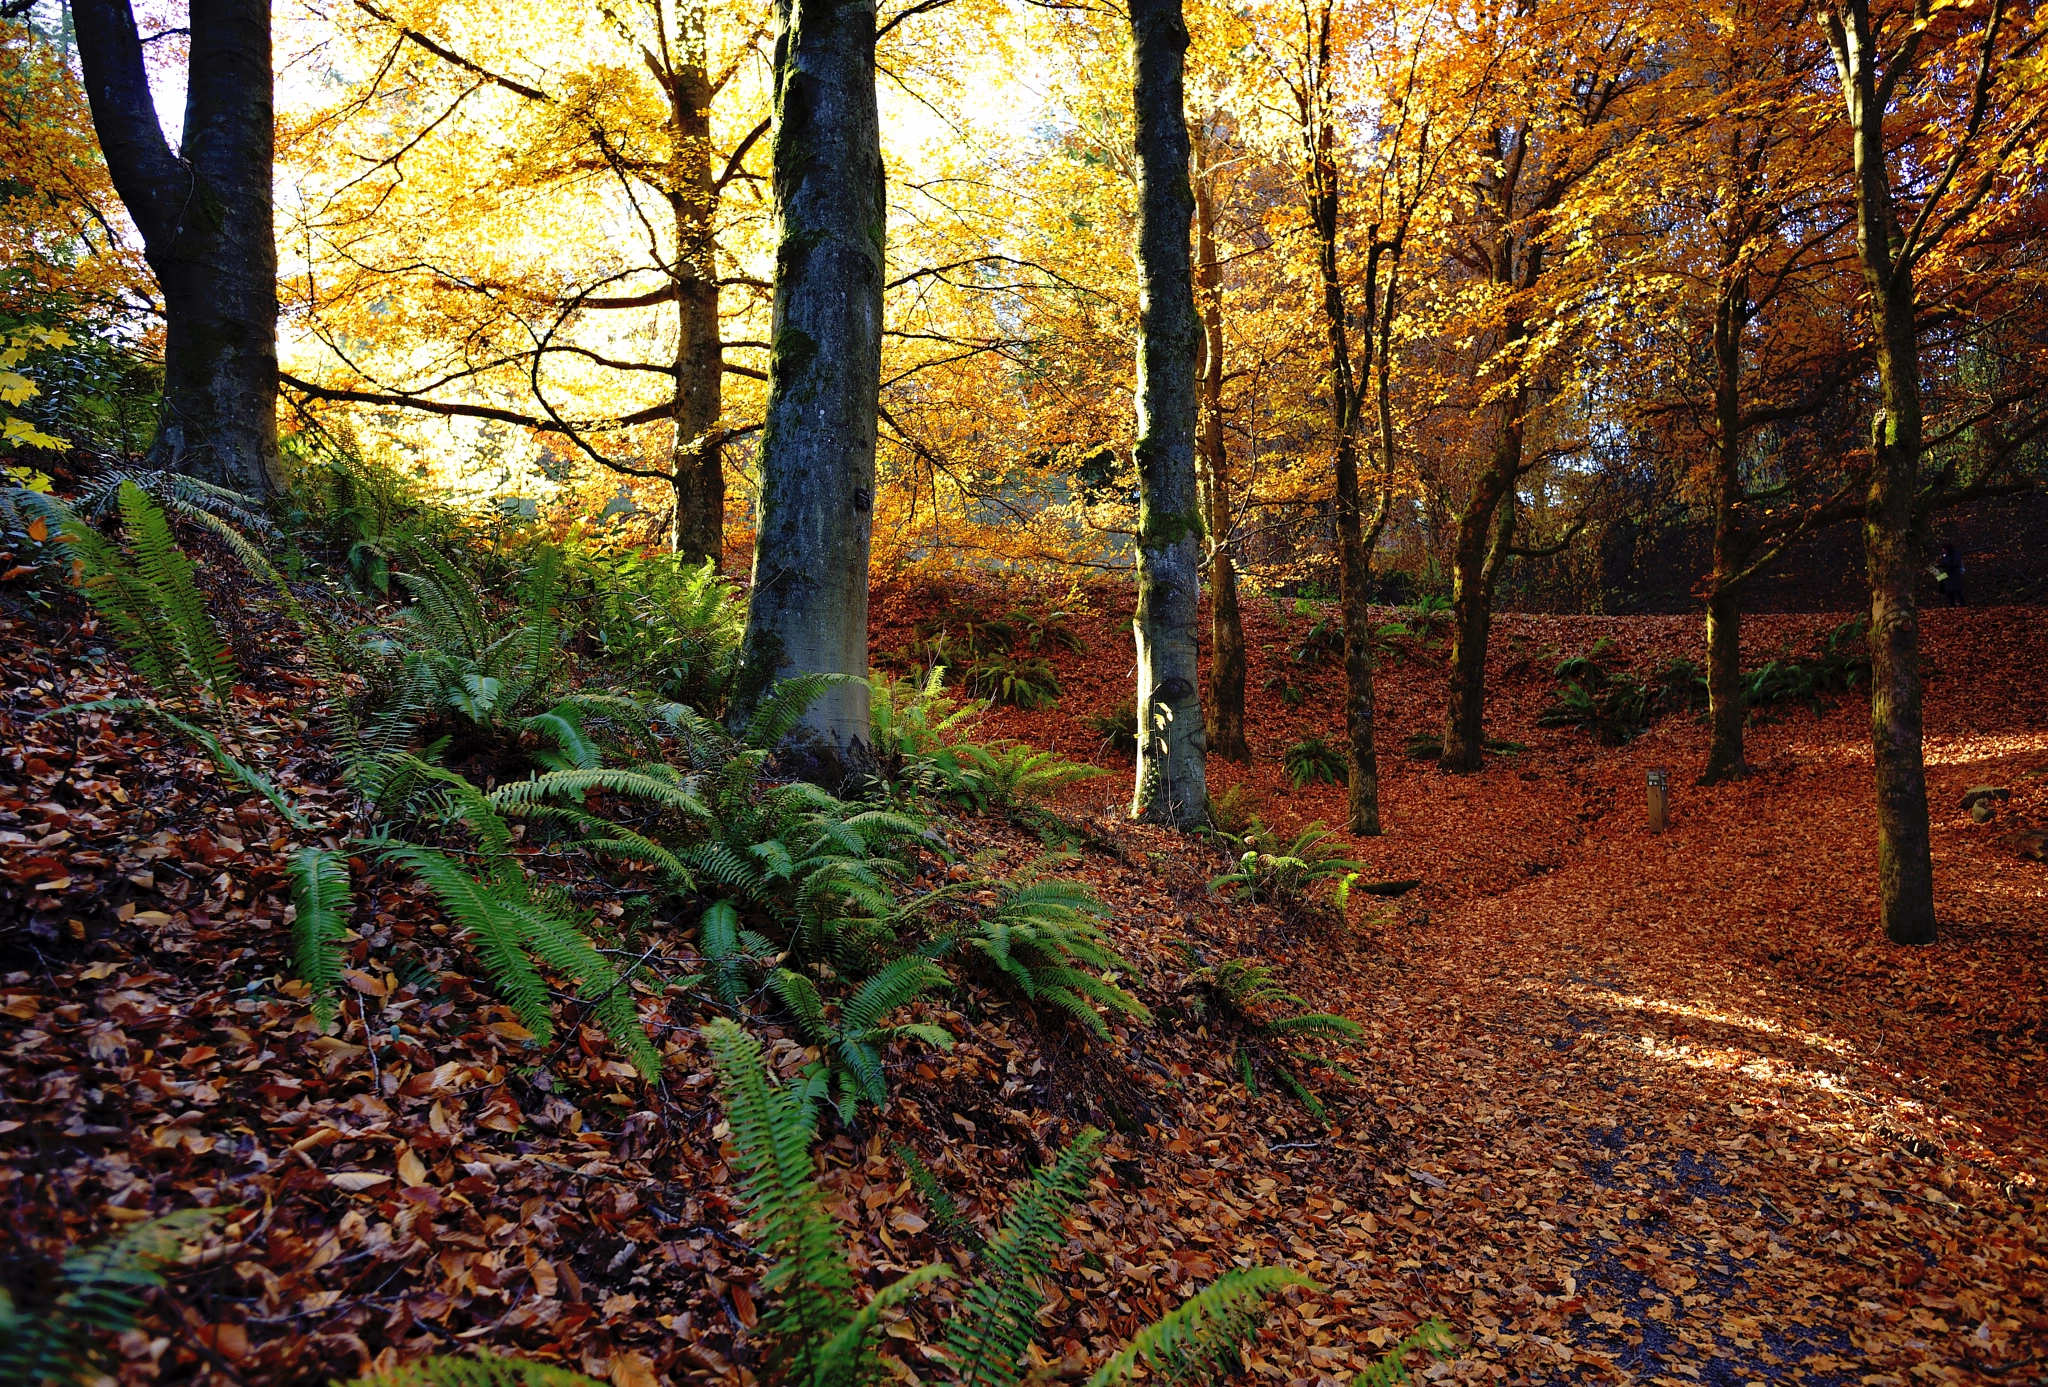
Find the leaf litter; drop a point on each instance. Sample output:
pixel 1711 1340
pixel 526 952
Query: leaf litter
pixel 1625 1108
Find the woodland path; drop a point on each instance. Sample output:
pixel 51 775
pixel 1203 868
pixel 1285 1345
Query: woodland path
pixel 1679 1115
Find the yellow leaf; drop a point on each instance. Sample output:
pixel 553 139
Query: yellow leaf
pixel 411 1169
pixel 15 387
pixel 633 1370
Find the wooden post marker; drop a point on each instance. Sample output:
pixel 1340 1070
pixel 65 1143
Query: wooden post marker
pixel 1660 801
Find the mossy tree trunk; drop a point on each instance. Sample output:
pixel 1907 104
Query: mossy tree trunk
pixel 205 217
pixel 807 611
pixel 1224 717
pixel 1171 785
pixel 1892 539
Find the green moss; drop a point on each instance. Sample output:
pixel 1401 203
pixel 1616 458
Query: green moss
pixel 1160 529
pixel 792 356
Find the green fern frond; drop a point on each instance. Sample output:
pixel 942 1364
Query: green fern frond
pixel 772 1129
pixel 101 1297
pixel 779 713
pixel 164 567
pixel 800 995
pixel 1199 1341
pixel 1317 1023
pixel 997 1317
pixel 939 1201
pixel 320 896
pixel 1302 1092
pixel 484 1370
pixel 632 784
pixel 896 985
pixel 249 776
pixel 1432 1336
pixel 572 746
pixel 846 1358
pixel 498 929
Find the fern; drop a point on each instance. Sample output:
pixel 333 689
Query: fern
pixel 1199 1341
pixel 998 1316
pixel 944 1209
pixel 511 930
pixel 731 952
pixel 1432 1336
pixel 853 1043
pixel 1043 938
pixel 224 759
pixel 820 1337
pixel 1251 994
pixel 150 601
pixel 320 896
pixel 484 1370
pixel 778 714
pixel 647 785
pixel 100 1297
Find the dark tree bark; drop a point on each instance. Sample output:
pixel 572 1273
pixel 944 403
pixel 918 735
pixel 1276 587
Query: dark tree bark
pixel 1224 721
pixel 205 218
pixel 1893 536
pixel 1724 608
pixel 1171 785
pixel 808 608
pixel 697 455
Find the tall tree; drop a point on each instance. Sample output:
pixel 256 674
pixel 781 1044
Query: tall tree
pixel 205 217
pixel 1882 59
pixel 807 611
pixel 1224 714
pixel 575 140
pixel 1171 786
pixel 1549 130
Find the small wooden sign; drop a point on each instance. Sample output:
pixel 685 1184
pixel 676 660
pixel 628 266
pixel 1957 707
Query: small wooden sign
pixel 1660 800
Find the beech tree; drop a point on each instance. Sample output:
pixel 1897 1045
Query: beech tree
pixel 1171 785
pixel 807 610
pixel 1911 197
pixel 204 212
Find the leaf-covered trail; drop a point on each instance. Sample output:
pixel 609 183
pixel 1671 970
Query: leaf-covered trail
pixel 1670 1109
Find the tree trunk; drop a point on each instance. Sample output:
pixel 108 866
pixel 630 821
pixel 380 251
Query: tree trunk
pixel 808 609
pixel 696 455
pixel 1891 538
pixel 1224 721
pixel 1171 787
pixel 1891 554
pixel 1724 605
pixel 205 218
pixel 1485 530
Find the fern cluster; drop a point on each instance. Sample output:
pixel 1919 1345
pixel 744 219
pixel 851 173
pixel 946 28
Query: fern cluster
pixel 1277 871
pixel 853 1041
pixel 1043 938
pixel 818 1335
pixel 149 600
pixel 101 1293
pixel 1271 1017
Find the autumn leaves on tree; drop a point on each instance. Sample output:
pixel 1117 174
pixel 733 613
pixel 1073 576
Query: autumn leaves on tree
pixel 1308 299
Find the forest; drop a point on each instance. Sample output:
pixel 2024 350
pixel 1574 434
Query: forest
pixel 999 692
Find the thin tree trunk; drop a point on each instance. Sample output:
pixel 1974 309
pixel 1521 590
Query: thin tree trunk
pixel 1724 605
pixel 1891 538
pixel 1171 786
pixel 1485 529
pixel 696 456
pixel 1892 546
pixel 1224 721
pixel 205 218
pixel 807 611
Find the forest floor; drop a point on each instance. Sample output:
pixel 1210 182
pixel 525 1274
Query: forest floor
pixel 1628 1108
